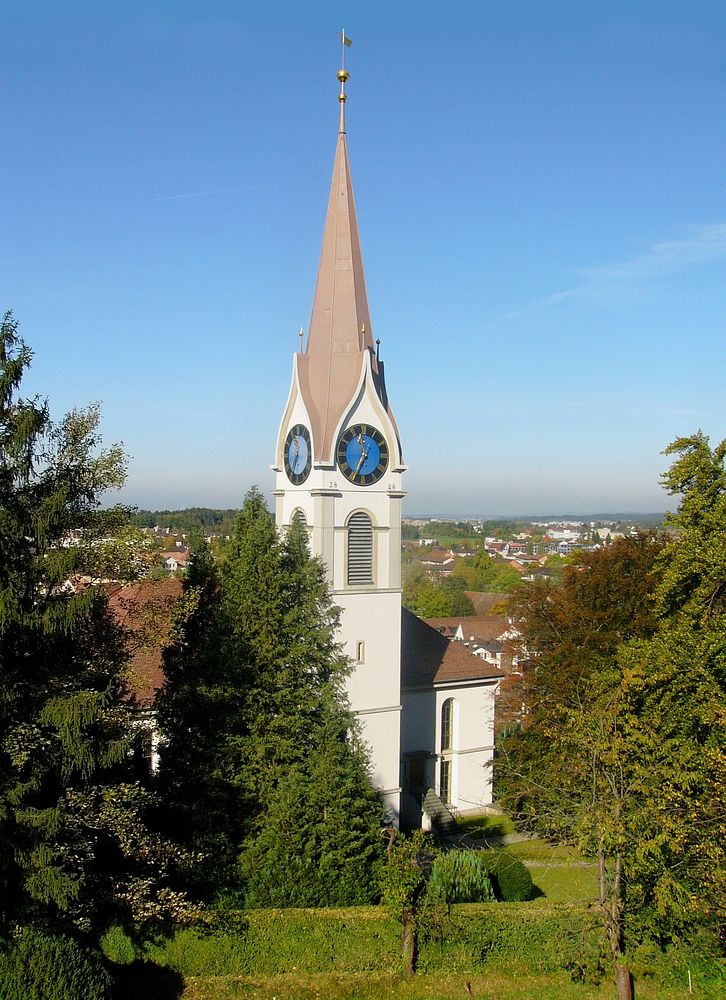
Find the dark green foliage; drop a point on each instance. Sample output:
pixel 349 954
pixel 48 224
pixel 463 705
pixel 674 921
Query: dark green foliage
pixel 201 713
pixel 200 520
pixel 40 966
pixel 74 847
pixel 263 767
pixel 511 880
pixel 460 877
pixel 319 842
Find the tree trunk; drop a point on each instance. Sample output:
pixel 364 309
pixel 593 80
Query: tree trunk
pixel 623 982
pixel 612 909
pixel 408 943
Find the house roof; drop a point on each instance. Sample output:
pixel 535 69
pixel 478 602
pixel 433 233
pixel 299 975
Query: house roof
pixel 484 601
pixel 480 626
pixel 145 609
pixel 429 658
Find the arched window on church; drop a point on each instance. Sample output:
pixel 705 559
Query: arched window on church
pixel 447 725
pixel 446 746
pixel 360 550
pixel 298 517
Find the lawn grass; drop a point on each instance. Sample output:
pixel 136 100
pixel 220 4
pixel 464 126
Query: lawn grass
pixel 487 825
pixel 560 873
pixel 444 986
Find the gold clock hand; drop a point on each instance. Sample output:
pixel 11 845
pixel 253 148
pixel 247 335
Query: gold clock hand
pixel 363 457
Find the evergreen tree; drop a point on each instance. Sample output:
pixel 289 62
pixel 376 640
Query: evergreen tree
pixel 258 736
pixel 319 836
pixel 75 849
pixel 201 714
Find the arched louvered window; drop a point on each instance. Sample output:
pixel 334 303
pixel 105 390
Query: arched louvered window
pixel 360 550
pixel 298 517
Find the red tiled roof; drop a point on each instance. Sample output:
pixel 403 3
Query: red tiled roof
pixel 428 657
pixel 481 626
pixel 145 609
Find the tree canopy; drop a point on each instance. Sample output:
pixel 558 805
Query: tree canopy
pixel 623 746
pixel 75 848
pixel 259 736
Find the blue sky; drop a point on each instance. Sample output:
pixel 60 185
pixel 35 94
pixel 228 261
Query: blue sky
pixel 542 210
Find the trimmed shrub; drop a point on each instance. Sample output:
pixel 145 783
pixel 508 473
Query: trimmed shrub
pixel 118 947
pixel 460 877
pixel 40 966
pixel 511 880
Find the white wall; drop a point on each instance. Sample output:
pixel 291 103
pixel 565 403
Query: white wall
pixel 472 745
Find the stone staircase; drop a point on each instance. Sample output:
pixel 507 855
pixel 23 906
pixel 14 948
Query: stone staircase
pixel 443 820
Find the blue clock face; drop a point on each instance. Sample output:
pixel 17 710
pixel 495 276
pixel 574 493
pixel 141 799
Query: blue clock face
pixel 298 454
pixel 362 454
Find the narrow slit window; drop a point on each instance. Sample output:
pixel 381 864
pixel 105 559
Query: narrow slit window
pixel 360 651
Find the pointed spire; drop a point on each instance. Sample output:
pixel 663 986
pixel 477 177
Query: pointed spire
pixel 340 326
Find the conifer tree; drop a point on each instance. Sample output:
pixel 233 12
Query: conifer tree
pixel 202 718
pixel 264 681
pixel 75 849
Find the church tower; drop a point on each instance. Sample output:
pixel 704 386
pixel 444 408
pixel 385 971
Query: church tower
pixel 338 467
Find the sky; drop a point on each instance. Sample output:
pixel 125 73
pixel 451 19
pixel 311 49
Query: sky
pixel 542 208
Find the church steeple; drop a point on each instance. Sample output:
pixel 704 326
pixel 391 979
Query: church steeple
pixel 339 472
pixel 340 327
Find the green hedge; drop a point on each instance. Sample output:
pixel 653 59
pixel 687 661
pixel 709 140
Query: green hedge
pixel 541 939
pixel 512 881
pixel 367 939
pixel 41 966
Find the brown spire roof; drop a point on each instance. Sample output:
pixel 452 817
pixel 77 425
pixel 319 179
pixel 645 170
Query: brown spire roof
pixel 340 326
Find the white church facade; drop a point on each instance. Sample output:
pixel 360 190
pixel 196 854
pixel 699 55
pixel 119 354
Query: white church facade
pixel 426 705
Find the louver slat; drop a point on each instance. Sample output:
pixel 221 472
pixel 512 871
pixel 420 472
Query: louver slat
pixel 360 550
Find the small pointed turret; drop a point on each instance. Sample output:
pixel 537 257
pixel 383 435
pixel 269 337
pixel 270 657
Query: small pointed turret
pixel 340 327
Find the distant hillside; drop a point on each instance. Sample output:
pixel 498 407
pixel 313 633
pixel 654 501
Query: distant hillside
pixel 205 519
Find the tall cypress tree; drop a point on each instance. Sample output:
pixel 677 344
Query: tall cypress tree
pixel 75 849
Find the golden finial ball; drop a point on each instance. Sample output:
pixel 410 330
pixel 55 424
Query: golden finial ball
pixel 343 75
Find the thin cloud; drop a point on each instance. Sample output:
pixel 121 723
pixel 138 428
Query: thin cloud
pixel 699 245
pixel 205 194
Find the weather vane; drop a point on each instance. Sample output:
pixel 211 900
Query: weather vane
pixel 343 75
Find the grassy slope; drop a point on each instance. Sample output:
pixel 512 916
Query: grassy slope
pixel 560 876
pixel 440 987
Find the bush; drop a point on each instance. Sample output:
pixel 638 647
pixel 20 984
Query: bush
pixel 460 877
pixel 118 947
pixel 511 880
pixel 40 966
